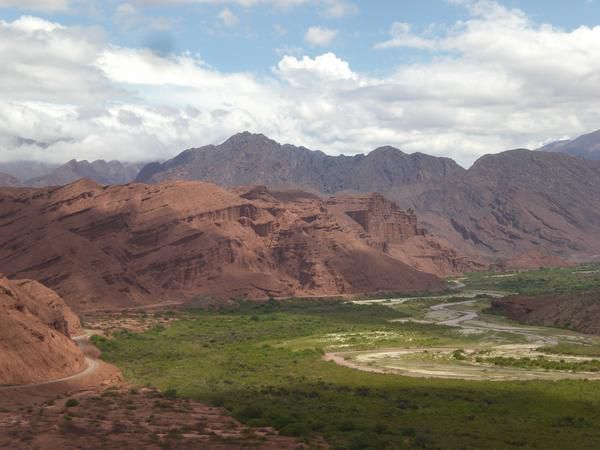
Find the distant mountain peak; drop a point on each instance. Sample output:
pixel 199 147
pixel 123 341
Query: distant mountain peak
pixel 387 150
pixel 586 146
pixel 247 137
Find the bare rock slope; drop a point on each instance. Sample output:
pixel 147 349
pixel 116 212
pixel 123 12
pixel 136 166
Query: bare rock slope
pixel 520 206
pixel 578 310
pixel 255 159
pixel 133 245
pixel 35 325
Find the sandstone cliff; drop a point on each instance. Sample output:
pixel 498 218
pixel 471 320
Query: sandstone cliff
pixel 123 246
pixel 397 232
pixel 35 326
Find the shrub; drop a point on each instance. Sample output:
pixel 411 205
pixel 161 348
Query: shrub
pixel 171 393
pixel 71 403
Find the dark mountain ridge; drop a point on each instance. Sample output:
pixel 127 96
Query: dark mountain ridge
pixel 103 172
pixel 255 159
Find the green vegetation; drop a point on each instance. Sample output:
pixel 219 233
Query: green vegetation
pixel 71 403
pixel 542 363
pixel 263 363
pixel 560 280
pixel 572 349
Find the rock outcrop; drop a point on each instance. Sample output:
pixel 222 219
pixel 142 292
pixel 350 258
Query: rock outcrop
pixel 35 327
pixel 124 246
pixel 394 231
pixel 578 311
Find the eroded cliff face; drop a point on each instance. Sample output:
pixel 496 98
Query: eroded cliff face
pixel 35 325
pixel 397 232
pixel 133 245
pixel 381 218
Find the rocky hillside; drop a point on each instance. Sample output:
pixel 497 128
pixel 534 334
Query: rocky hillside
pixel 383 225
pixel 103 172
pixel 517 209
pixel 586 146
pixel 9 180
pixel 519 203
pixel 577 310
pixel 122 246
pixel 35 326
pixel 255 159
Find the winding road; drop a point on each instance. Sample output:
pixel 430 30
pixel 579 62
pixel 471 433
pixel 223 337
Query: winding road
pixel 92 365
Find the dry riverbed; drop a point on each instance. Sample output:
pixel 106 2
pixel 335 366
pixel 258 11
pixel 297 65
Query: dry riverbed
pixel 489 358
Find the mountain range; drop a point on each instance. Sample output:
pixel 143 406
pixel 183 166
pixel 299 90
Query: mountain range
pixel 254 158
pixel 519 208
pixel 515 209
pixel 39 174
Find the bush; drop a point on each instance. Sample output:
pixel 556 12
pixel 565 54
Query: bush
pixel 71 403
pixel 171 393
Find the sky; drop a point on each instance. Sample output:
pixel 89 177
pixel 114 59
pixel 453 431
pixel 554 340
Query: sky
pixel 142 80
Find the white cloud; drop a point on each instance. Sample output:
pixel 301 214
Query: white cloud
pixel 36 5
pixel 495 81
pixel 228 18
pixel 338 8
pixel 128 17
pixel 402 36
pixel 308 71
pixel 280 30
pixel 328 8
pixel 320 36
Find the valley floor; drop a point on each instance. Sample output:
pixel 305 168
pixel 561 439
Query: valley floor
pixel 504 351
pixel 431 372
pixel 338 370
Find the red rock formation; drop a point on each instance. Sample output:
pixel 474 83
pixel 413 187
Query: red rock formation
pixel 380 217
pixel 519 205
pixel 34 334
pixel 122 246
pixel 576 310
pixel 386 227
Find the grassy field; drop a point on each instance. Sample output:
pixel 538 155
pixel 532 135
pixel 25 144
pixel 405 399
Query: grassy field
pixel 264 364
pixel 581 278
